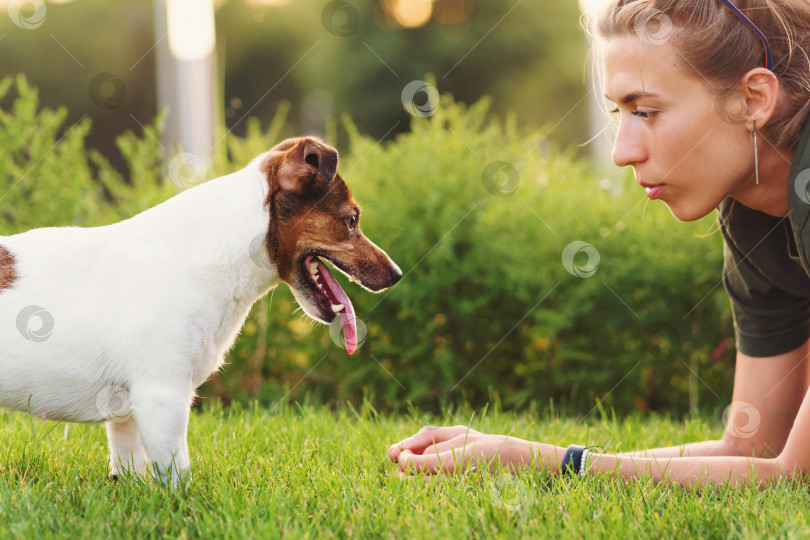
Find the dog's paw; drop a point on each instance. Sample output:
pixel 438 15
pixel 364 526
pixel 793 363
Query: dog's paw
pixel 171 477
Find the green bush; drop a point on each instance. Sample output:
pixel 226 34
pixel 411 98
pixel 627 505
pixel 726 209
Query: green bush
pixel 485 310
pixel 48 178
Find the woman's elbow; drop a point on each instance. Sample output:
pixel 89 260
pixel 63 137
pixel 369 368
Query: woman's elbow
pixel 790 465
pixel 782 467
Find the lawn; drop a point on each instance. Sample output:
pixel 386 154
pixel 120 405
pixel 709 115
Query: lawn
pixel 311 471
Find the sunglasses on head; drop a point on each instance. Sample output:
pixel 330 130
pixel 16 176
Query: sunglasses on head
pixel 752 26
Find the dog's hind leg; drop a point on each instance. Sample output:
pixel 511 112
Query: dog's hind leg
pixel 126 450
pixel 162 411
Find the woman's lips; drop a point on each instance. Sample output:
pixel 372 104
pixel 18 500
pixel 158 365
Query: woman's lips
pixel 655 192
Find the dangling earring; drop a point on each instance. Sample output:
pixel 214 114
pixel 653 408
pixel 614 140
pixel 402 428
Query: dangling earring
pixel 756 152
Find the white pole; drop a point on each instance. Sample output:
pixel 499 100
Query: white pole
pixel 185 74
pixel 601 145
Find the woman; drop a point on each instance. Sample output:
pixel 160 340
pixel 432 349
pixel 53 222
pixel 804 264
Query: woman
pixel 713 100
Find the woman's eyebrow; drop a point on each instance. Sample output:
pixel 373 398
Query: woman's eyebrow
pixel 631 97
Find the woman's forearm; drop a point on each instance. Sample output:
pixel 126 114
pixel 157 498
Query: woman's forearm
pixel 687 471
pixel 703 448
pixel 691 471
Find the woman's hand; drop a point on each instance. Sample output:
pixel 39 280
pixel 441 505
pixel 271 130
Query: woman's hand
pixel 456 449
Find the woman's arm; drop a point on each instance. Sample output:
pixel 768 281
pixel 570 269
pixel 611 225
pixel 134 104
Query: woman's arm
pixel 770 389
pixel 693 471
pixel 457 449
pixel 767 393
pixel 774 392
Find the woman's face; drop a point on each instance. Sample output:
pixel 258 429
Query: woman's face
pixel 670 132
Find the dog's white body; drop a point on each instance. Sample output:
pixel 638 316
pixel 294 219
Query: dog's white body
pixel 136 315
pixel 139 306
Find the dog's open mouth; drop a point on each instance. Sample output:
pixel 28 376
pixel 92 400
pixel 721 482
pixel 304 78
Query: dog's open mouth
pixel 330 299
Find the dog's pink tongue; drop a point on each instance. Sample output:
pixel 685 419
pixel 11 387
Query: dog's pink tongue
pixel 347 319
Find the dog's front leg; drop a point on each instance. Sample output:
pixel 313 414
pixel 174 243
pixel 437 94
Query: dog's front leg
pixel 126 450
pixel 161 411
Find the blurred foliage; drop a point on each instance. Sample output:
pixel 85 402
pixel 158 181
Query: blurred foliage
pixel 48 178
pixel 529 56
pixel 76 42
pixel 486 307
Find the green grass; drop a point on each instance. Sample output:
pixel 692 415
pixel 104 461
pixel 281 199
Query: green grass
pixel 305 471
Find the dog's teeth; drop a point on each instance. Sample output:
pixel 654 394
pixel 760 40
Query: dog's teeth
pixel 319 286
pixel 352 279
pixel 313 267
pixel 315 277
pixel 337 308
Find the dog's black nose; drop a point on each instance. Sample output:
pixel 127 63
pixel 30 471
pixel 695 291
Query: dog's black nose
pixel 396 274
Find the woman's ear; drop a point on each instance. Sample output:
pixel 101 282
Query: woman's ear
pixel 761 89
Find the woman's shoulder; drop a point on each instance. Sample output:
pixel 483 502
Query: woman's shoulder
pixel 764 241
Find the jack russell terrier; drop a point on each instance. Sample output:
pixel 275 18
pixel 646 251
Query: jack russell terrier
pixel 121 324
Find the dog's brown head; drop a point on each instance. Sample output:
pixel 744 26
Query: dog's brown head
pixel 312 217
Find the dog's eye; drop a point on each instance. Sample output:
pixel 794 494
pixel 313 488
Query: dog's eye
pixel 351 222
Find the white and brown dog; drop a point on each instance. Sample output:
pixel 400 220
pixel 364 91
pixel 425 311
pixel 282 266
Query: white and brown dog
pixel 121 324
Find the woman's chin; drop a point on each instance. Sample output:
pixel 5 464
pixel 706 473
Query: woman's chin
pixel 688 212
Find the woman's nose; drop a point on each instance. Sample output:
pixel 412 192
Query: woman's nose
pixel 627 148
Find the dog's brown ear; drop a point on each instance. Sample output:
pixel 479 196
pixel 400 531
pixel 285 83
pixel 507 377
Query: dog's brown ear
pixel 295 163
pixel 321 156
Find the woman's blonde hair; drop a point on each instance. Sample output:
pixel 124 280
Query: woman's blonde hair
pixel 719 48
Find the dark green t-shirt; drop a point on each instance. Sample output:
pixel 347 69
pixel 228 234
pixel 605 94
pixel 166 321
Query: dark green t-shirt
pixel 766 269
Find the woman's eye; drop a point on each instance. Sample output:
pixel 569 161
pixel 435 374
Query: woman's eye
pixel 645 115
